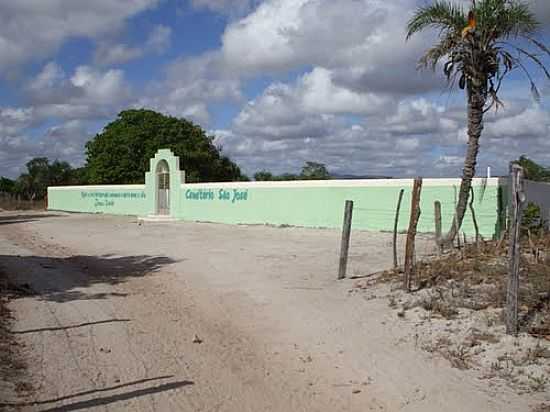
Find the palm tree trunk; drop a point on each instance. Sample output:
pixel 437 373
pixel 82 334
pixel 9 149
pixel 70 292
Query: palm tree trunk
pixel 476 104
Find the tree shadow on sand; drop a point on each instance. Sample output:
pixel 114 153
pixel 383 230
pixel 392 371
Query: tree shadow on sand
pixel 24 217
pixel 63 279
pixel 104 400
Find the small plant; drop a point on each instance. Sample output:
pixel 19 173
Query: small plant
pixel 532 220
pixel 538 383
pixel 459 357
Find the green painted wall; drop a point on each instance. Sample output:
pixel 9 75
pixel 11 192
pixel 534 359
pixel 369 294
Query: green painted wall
pixel 116 200
pixel 305 203
pixel 374 206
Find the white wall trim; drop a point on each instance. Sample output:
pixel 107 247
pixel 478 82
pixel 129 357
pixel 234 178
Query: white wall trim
pixel 344 183
pixel 99 187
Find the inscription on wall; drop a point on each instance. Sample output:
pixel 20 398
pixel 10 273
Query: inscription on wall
pixel 107 199
pixel 234 195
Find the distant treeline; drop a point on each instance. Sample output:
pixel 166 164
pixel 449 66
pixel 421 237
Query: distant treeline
pixel 310 171
pixel 33 184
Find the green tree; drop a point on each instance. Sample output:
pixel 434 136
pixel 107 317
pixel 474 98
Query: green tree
pixel 34 184
pixel 534 171
pixel 479 50
pixel 263 176
pixel 6 185
pixel 310 171
pixel 314 171
pixel 61 173
pixel 121 152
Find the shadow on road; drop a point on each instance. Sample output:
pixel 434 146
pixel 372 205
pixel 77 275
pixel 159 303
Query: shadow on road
pixel 102 401
pixel 24 217
pixel 63 279
pixel 80 325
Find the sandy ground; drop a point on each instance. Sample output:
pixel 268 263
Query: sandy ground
pixel 206 317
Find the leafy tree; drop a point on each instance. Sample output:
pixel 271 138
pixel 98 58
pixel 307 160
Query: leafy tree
pixel 287 176
pixel 6 185
pixel 61 173
pixel 40 174
pixel 263 176
pixel 534 171
pixel 314 171
pixel 479 49
pixel 34 184
pixel 80 176
pixel 121 152
pixel 310 171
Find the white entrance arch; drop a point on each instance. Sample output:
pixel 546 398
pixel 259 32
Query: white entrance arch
pixel 163 185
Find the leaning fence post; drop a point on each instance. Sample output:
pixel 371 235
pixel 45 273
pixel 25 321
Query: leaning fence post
pixel 437 214
pixel 344 245
pixel 518 198
pixel 395 225
pixel 411 234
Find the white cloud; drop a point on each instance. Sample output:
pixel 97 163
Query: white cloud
pixel 73 102
pixel 190 84
pixel 320 94
pixel 278 132
pixel 64 141
pixel 229 7
pixel 108 54
pixel 361 41
pixel 13 120
pixel 87 93
pixel 31 29
pixel 157 42
pixel 308 109
pixel 100 87
pixel 159 39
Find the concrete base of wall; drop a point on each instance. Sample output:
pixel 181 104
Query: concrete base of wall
pixel 157 219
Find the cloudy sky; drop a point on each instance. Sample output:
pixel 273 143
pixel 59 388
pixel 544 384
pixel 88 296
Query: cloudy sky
pixel 278 82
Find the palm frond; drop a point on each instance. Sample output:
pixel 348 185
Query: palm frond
pixel 442 15
pixel 538 44
pixel 436 53
pixel 517 20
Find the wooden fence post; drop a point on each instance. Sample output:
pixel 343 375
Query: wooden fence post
pixel 395 263
pixel 344 246
pixel 473 212
pixel 437 214
pixel 517 200
pixel 411 234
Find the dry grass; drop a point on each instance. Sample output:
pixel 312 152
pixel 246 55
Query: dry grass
pixel 11 203
pixel 475 277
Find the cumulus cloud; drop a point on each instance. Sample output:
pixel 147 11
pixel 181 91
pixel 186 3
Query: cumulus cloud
pixel 190 84
pixel 32 29
pixel 227 7
pixel 64 141
pixel 157 42
pixel 352 97
pixel 277 132
pixel 367 52
pixel 73 102
pixel 87 93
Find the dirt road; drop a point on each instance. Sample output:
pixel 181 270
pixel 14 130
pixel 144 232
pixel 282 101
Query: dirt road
pixel 205 317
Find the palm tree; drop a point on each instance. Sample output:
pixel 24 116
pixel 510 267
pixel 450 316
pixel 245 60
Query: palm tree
pixel 478 50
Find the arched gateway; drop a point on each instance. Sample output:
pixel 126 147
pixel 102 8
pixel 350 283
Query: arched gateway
pixel 163 182
pixel 163 188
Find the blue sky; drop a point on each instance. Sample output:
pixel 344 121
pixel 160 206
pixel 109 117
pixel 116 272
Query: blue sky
pixel 278 82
